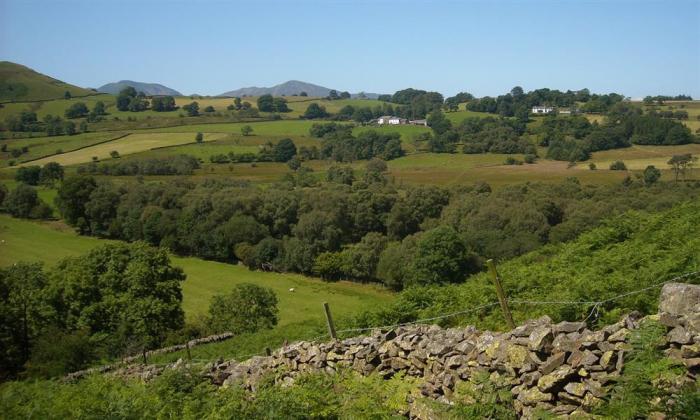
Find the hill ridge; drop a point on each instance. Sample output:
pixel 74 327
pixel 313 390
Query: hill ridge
pixel 289 88
pixel 147 88
pixel 19 83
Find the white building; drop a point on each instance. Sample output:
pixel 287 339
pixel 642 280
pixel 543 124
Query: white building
pixel 419 122
pixel 390 120
pixel 542 109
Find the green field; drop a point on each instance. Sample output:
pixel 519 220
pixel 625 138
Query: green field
pixel 133 143
pixel 48 242
pixel 639 157
pixel 219 138
pixel 455 169
pixel 458 116
pixel 57 106
pixel 44 146
pixel 261 128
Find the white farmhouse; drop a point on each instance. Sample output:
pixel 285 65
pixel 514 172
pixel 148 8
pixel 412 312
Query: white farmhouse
pixel 390 120
pixel 542 109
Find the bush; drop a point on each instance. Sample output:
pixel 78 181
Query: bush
pixel 618 165
pixel 29 175
pixel 24 202
pixel 651 175
pixel 441 257
pixel 315 110
pixel 247 308
pixel 246 130
pixel 51 172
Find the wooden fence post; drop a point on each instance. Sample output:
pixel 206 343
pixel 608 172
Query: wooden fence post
pixel 145 361
pixel 189 355
pixel 329 320
pixel 268 352
pixel 501 295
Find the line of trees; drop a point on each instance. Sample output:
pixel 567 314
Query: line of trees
pixel 338 143
pixel 414 103
pixel 167 165
pixel 353 227
pixel 476 135
pixel 517 103
pixel 268 103
pixel 575 138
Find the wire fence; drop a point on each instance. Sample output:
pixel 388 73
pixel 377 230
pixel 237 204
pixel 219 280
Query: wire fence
pixel 592 314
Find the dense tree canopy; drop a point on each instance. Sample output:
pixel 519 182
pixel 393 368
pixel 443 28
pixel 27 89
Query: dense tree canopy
pixel 115 299
pixel 163 103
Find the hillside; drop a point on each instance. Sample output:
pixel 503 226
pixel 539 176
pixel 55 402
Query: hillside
pixel 627 253
pixel 150 89
pixel 20 83
pixel 289 88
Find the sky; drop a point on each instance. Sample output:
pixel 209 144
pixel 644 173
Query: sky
pixel 636 48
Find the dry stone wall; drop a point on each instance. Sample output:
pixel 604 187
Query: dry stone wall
pixel 563 368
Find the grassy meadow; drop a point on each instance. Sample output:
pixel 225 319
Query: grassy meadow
pixel 39 147
pixel 639 157
pixel 49 242
pixel 133 143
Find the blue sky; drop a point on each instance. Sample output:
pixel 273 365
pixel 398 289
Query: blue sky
pixel 483 47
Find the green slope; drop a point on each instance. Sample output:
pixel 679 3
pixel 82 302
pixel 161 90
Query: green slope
pixel 20 83
pixel 630 252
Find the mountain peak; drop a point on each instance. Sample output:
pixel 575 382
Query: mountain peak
pixel 288 88
pixel 147 88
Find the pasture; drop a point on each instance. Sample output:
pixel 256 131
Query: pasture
pixel 38 147
pixel 466 169
pixel 458 116
pixel 57 107
pixel 133 143
pixel 49 242
pixel 639 157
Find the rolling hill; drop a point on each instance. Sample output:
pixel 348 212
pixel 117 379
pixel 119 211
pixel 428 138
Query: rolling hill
pixel 289 88
pixel 147 88
pixel 19 83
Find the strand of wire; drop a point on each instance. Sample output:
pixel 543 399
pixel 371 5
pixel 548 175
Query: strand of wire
pixel 595 310
pixel 419 321
pixel 592 314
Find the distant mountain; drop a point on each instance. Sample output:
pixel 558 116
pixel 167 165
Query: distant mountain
pixel 147 88
pixel 20 83
pixel 292 87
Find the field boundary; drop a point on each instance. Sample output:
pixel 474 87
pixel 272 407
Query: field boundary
pixel 79 148
pixel 247 120
pixel 165 350
pixel 53 99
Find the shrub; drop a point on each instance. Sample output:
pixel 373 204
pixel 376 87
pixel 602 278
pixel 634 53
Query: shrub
pixel 618 165
pixel 24 202
pixel 247 308
pixel 651 175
